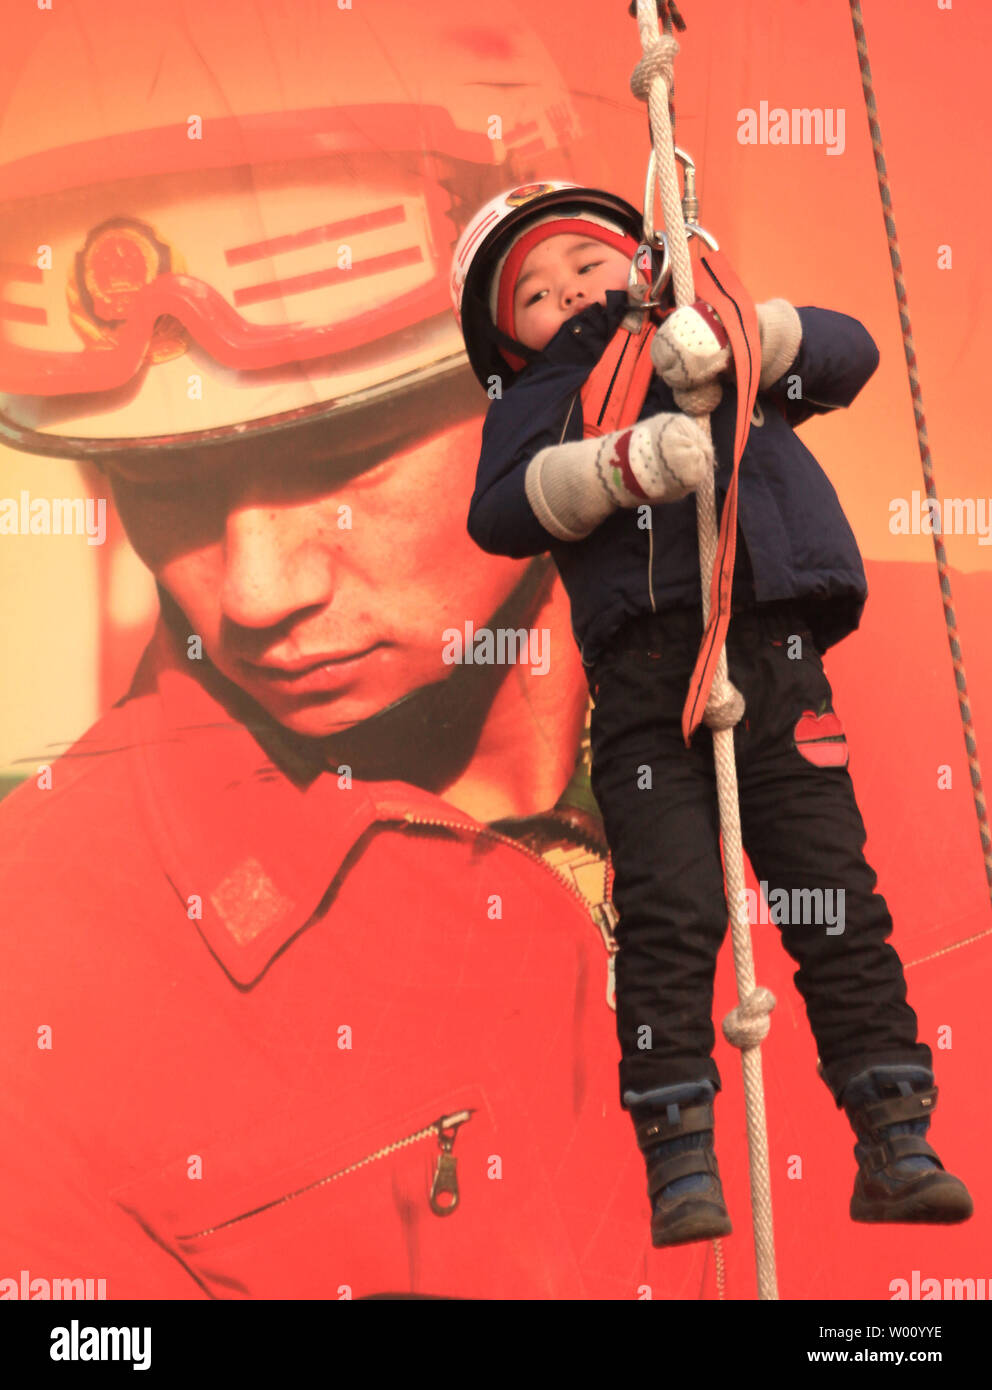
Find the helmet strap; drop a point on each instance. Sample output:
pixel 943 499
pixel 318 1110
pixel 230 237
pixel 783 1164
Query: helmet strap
pixel 502 340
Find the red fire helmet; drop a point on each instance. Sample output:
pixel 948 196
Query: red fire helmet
pixel 253 224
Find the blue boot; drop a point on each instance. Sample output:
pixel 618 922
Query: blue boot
pixel 900 1178
pixel 674 1127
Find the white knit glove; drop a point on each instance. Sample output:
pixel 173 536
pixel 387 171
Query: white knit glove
pixel 781 332
pixel 691 347
pixel 574 487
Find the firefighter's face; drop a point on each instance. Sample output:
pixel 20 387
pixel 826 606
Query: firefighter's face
pixel 323 597
pixel 558 279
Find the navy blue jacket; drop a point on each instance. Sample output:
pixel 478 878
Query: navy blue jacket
pixel 794 541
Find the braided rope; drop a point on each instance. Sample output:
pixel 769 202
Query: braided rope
pixel 745 1024
pixel 960 680
pixel 669 14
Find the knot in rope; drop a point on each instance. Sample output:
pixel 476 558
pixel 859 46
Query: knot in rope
pixel 747 1025
pixel 724 708
pixel 656 62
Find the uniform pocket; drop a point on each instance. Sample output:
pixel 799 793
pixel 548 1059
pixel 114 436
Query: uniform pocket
pixel 298 1211
pixel 438 1196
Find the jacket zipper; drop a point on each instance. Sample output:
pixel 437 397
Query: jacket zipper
pixel 444 1184
pixel 654 606
pixel 603 914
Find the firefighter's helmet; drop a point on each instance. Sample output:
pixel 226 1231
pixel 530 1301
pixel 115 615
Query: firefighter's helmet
pixel 224 249
pixel 485 240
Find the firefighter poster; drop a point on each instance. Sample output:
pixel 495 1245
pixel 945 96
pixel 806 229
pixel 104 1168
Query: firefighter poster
pixel 363 899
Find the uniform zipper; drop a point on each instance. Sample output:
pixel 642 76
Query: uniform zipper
pixel 445 1182
pixel 603 914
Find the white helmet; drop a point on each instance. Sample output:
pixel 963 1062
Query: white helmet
pixel 285 265
pixel 485 240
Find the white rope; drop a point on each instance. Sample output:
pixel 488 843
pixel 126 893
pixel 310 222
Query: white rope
pixel 748 1024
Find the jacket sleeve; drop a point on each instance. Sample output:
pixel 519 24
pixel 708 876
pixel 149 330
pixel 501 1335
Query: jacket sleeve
pixel 541 409
pixel 836 357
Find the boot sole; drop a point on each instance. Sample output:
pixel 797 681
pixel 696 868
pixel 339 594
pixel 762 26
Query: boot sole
pixel 700 1223
pixel 941 1205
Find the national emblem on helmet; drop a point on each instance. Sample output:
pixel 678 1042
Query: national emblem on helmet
pixel 275 255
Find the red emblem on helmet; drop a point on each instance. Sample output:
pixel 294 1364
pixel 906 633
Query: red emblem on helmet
pixel 120 257
pixel 528 191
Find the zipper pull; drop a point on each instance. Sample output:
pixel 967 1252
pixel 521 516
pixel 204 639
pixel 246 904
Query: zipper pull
pixel 606 917
pixel 444 1194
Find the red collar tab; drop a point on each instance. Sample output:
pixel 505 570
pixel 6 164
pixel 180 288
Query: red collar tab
pixel 243 844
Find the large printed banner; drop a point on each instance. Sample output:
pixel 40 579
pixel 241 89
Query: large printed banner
pixel 307 968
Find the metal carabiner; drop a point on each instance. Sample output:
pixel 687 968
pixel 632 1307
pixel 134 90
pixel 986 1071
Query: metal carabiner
pixel 690 203
pixel 643 259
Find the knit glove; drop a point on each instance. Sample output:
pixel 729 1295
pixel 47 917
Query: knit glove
pixel 574 487
pixel 691 347
pixel 781 332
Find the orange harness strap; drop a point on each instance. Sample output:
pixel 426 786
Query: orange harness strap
pixel 717 283
pixel 614 391
pixel 612 398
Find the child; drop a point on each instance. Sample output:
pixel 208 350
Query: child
pixel 539 282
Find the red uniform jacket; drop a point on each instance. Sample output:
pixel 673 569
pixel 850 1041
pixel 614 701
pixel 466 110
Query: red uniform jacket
pixel 213 1046
pixel 260 999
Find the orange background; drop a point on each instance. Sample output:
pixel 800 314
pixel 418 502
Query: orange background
pixel 806 225
pixel 795 221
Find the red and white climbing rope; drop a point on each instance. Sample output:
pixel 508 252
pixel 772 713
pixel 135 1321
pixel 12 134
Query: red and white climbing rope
pixel 923 442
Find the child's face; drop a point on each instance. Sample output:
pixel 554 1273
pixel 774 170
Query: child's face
pixel 558 279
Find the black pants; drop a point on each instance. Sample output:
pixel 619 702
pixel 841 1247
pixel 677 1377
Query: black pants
pixel 802 830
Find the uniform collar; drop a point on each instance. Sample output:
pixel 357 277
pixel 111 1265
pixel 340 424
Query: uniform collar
pixel 250 828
